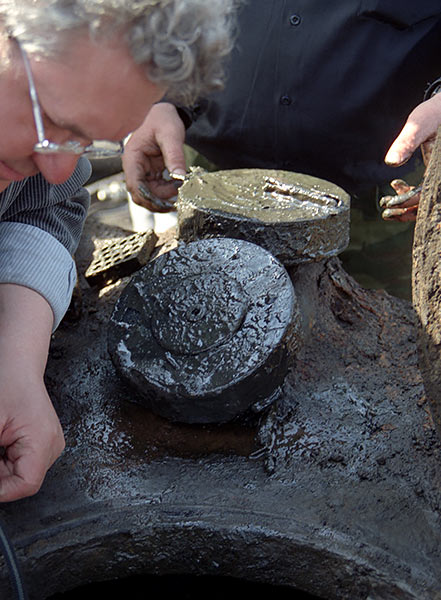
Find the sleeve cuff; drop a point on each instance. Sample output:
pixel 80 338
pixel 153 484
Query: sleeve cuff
pixel 185 114
pixel 190 114
pixel 33 258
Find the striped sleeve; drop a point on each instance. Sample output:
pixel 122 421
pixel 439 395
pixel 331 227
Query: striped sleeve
pixel 39 232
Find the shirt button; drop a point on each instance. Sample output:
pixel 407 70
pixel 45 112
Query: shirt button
pixel 285 100
pixel 295 20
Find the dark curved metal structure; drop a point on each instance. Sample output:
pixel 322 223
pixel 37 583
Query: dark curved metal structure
pixel 335 489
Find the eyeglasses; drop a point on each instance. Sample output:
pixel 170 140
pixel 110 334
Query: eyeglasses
pixel 97 149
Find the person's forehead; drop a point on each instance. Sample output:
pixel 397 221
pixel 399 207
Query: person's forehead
pixel 95 84
pixel 104 61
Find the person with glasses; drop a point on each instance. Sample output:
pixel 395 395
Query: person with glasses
pixel 75 79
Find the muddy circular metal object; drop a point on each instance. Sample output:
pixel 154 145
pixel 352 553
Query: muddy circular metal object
pixel 205 331
pixel 296 217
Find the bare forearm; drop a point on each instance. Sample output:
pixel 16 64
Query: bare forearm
pixel 26 321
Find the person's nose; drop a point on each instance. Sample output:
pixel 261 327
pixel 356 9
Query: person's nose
pixel 56 168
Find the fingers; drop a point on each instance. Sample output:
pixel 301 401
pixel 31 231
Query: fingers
pixel 172 149
pixel 149 200
pixel 156 145
pixel 400 186
pixel 31 439
pixel 404 200
pixel 151 190
pixel 401 215
pixel 402 207
pixel 420 127
pixel 404 145
pixel 170 137
pixel 25 463
pixel 24 475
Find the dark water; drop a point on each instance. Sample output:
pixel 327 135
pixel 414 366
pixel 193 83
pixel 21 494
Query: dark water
pixel 379 255
pixel 185 587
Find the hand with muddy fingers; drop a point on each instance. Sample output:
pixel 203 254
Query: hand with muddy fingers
pixel 404 205
pixel 419 130
pixel 158 144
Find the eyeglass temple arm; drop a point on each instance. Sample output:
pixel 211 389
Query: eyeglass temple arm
pixel 33 94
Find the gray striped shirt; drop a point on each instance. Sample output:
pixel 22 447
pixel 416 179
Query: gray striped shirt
pixel 40 227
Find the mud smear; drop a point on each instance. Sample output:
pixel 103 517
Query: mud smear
pixel 182 440
pixel 296 217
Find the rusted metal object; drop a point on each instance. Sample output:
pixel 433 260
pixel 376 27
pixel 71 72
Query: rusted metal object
pixel 426 281
pixel 120 257
pixel 206 331
pixel 296 217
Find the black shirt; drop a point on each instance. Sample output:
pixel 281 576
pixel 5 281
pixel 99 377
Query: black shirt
pixel 321 87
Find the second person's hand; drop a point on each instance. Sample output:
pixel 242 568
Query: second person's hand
pixel 158 144
pixel 419 130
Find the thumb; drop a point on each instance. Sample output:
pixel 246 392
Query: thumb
pixel 408 140
pixel 170 139
pixel 420 126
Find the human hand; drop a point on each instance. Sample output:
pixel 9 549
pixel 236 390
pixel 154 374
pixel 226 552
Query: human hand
pixel 419 130
pixel 404 206
pixel 30 434
pixel 157 144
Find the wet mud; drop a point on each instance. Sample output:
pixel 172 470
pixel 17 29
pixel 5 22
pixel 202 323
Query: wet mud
pixel 296 217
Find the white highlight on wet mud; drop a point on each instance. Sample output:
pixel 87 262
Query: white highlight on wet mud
pixel 125 354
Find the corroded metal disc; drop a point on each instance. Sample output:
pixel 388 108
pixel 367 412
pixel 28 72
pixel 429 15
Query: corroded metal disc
pixel 298 218
pixel 206 330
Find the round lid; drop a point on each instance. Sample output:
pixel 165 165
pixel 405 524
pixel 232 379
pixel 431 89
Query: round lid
pixel 297 217
pixel 206 330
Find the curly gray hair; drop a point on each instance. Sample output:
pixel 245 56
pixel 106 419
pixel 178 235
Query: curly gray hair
pixel 182 43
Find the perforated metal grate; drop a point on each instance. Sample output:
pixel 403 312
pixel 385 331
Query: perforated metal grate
pixel 120 257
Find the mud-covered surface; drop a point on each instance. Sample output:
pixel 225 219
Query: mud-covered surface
pixel 354 431
pixel 296 217
pixel 206 330
pixel 335 491
pixel 426 278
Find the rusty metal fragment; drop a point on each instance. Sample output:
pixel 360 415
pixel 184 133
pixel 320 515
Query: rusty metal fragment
pixel 120 257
